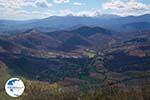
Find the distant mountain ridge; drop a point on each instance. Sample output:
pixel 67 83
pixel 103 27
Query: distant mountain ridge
pixel 64 22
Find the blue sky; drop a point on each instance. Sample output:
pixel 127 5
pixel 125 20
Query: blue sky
pixel 35 9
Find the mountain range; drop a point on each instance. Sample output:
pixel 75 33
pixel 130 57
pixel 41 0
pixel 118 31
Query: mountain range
pixel 77 52
pixel 84 51
pixel 113 22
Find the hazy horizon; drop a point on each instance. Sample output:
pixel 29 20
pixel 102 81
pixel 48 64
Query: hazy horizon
pixel 38 9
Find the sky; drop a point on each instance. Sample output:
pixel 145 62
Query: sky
pixel 38 9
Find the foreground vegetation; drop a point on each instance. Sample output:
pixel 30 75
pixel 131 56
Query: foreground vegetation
pixel 36 90
pixel 107 93
pixel 119 90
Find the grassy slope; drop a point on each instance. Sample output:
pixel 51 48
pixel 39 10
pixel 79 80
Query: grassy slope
pixel 4 76
pixel 29 84
pixel 36 90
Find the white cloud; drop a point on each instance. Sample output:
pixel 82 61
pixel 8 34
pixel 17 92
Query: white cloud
pixel 89 13
pixel 42 3
pixel 64 12
pixel 14 8
pixel 23 14
pixel 78 4
pixel 67 12
pixel 12 3
pixel 131 7
pixel 24 3
pixel 61 1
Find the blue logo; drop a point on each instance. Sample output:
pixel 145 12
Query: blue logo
pixel 14 87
